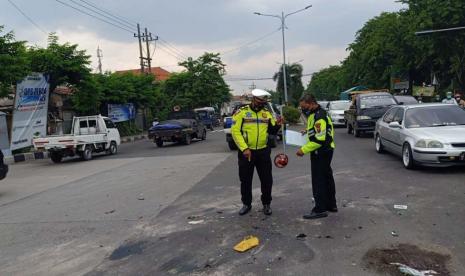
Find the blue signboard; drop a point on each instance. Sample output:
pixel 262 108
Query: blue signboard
pixel 121 112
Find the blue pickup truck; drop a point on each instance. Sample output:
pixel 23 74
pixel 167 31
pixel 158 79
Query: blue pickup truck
pixel 272 139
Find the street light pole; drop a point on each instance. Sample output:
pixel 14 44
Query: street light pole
pixel 282 18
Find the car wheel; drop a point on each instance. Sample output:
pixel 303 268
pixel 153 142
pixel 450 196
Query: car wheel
pixel 379 144
pixel 349 129
pixel 56 157
pixel 204 134
pixel 87 153
pixel 159 143
pixel 187 139
pixel 232 145
pixel 407 157
pixel 113 148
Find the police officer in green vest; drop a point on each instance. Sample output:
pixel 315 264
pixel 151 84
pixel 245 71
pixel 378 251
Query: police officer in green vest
pixel 251 125
pixel 321 146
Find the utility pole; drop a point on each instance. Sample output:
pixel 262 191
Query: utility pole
pixel 253 86
pixel 282 17
pixel 148 38
pixel 140 49
pixel 99 56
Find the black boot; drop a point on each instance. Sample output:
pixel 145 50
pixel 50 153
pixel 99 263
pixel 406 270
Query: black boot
pixel 332 209
pixel 267 209
pixel 315 215
pixel 245 209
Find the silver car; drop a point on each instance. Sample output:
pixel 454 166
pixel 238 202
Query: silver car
pixel 423 134
pixel 336 112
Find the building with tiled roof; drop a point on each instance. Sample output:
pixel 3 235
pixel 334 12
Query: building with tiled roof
pixel 159 73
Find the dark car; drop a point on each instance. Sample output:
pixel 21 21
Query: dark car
pixel 181 127
pixel 365 110
pixel 3 167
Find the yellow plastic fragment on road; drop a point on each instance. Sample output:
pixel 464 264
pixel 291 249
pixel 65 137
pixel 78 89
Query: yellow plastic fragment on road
pixel 247 244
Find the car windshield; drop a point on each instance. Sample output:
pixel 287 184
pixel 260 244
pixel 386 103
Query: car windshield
pixel 434 116
pixel 203 114
pixel 376 101
pixel 339 105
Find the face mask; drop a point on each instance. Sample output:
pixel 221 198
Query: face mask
pixel 258 106
pixel 307 112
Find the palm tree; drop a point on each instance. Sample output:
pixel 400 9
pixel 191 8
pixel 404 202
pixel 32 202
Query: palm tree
pixel 294 82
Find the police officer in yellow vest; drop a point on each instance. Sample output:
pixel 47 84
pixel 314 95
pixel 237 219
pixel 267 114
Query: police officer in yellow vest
pixel 321 146
pixel 251 126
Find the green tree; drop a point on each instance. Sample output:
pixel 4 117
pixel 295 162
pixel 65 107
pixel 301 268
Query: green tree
pixel 328 83
pixel 64 63
pixel 446 51
pixel 201 84
pixel 294 84
pixel 14 65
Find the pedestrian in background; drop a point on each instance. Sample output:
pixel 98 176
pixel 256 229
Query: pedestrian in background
pixel 251 125
pixel 321 146
pixel 459 100
pixel 449 99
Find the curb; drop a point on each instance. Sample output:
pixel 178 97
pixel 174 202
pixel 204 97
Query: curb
pixel 23 157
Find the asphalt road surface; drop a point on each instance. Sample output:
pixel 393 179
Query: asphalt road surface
pixel 173 210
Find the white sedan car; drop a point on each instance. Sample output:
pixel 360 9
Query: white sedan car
pixel 423 134
pixel 336 112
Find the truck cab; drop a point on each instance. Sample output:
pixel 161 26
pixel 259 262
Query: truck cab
pixel 89 135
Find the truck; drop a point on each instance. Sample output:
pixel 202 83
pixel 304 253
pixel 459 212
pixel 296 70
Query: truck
pixel 181 127
pixel 89 135
pixel 366 108
pixel 207 115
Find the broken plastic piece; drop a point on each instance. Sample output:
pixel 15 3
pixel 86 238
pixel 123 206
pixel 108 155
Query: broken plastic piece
pixel 401 207
pixel 414 272
pixel 394 234
pixel 246 244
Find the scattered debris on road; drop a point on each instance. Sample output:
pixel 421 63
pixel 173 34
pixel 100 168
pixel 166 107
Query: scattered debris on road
pixel 394 234
pixel 246 244
pixel 196 221
pixel 110 212
pixel 400 207
pixel 301 236
pixel 406 259
pixel 141 197
pixel 405 269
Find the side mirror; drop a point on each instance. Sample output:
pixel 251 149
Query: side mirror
pixel 394 125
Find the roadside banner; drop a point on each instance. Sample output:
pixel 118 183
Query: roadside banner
pixel 121 112
pixel 30 110
pixel 427 91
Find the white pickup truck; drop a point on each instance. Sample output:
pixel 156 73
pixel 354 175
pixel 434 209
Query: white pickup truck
pixel 90 134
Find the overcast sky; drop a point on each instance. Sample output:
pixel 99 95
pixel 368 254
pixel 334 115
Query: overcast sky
pixel 316 37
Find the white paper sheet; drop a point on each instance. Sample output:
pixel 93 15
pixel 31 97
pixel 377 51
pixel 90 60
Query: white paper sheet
pixel 294 138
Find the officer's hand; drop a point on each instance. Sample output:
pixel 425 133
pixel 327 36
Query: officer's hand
pixel 247 154
pixel 300 153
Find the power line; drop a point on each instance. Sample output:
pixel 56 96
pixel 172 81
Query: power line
pixel 251 42
pixel 170 52
pixel 116 16
pixel 101 14
pixel 259 78
pixel 27 17
pixel 176 50
pixel 91 15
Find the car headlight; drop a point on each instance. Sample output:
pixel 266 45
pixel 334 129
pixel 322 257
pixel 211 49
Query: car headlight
pixel 363 118
pixel 434 144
